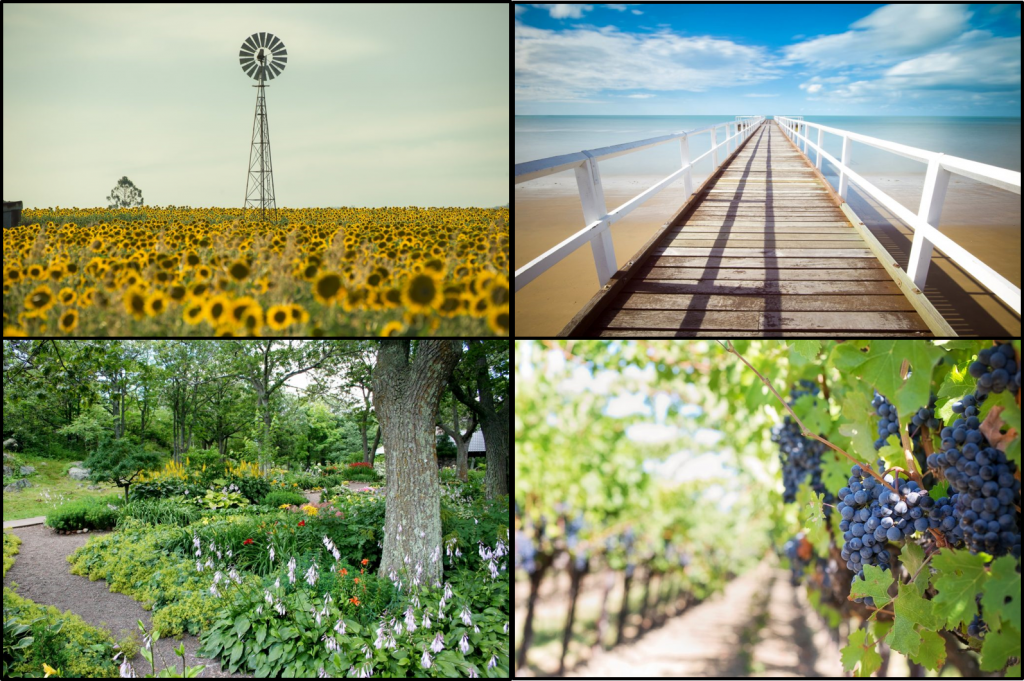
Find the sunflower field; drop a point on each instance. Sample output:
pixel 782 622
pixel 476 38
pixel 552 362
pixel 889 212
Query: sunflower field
pixel 213 272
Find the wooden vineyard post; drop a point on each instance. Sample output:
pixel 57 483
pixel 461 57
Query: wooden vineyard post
pixel 645 611
pixel 602 620
pixel 624 611
pixel 575 579
pixel 543 563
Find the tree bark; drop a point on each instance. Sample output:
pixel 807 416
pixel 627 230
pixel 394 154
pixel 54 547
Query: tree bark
pixel 494 423
pixel 407 397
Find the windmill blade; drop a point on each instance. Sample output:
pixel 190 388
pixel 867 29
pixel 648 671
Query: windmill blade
pixel 281 61
pixel 263 38
pixel 270 73
pixel 245 50
pixel 282 53
pixel 251 42
pixel 244 56
pixel 275 70
pixel 274 42
pixel 250 69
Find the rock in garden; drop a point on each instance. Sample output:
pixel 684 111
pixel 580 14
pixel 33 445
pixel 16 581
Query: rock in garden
pixel 79 473
pixel 17 486
pixel 8 471
pixel 94 488
pixel 10 444
pixel 27 470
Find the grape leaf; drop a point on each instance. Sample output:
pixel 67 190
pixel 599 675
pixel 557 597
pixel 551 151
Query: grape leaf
pixel 892 453
pixel 882 370
pixel 1011 412
pixel 933 651
pixel 1002 593
pixel 806 348
pixel 957 384
pixel 999 647
pixel 835 472
pixel 813 518
pixel 814 413
pixel 847 356
pixel 917 610
pixel 961 577
pixel 876 584
pixel 861 652
pixel 1013 452
pixel 1013 672
pixel 904 636
pixel 879 630
pixel 912 558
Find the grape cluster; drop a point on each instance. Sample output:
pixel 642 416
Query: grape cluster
pixel 889 424
pixel 800 456
pixel 874 515
pixel 983 478
pixel 572 541
pixel 526 553
pixel 996 370
pixel 977 628
pixel 797 565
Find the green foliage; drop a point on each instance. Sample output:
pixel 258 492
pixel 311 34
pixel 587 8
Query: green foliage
pixel 86 514
pixel 861 653
pixel 216 500
pixel 255 489
pixel 278 499
pixel 305 481
pixel 62 640
pixel 160 511
pixel 11 544
pixel 120 462
pixel 357 474
pixel 164 488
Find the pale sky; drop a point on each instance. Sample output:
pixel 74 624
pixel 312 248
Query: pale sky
pixel 380 105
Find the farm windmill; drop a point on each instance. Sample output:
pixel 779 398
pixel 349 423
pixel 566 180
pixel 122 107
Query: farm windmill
pixel 263 57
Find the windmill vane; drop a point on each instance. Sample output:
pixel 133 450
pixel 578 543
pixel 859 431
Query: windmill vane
pixel 263 57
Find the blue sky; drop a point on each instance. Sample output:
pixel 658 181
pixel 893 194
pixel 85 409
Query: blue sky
pixel 812 59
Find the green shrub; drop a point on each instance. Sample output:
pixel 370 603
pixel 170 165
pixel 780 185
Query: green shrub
pixel 332 493
pixel 305 481
pixel 359 473
pixel 255 489
pixel 164 488
pixel 160 511
pixel 278 499
pixel 98 513
pixel 62 640
pixel 11 544
pixel 223 499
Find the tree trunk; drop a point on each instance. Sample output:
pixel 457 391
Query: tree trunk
pixel 496 438
pixel 620 635
pixel 462 461
pixel 376 444
pixel 575 579
pixel 407 397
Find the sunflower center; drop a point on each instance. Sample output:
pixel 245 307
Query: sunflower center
pixel 328 286
pixel 422 289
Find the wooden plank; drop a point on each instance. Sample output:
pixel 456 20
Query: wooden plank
pixel 762 263
pixel 782 273
pixel 652 333
pixel 784 225
pixel 763 237
pixel 767 253
pixel 703 320
pixel 657 301
pixel 755 228
pixel 760 288
pixel 766 243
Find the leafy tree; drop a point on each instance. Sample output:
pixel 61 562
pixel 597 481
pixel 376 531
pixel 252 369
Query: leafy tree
pixel 451 422
pixel 407 395
pixel 125 194
pixel 482 385
pixel 120 461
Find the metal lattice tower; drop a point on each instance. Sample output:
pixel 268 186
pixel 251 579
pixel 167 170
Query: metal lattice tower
pixel 263 57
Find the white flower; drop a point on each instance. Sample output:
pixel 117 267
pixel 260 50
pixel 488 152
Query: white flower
pixel 235 576
pixel 379 643
pixel 340 627
pixel 259 611
pixel 467 617
pixel 268 598
pixel 426 660
pixel 291 570
pixel 426 620
pixel 311 575
pixel 337 555
pixel 127 672
pixel 217 577
pixel 280 609
pixel 438 644
pixel 447 591
pixel 398 628
pixel 332 645
pixel 229 553
pixel 506 628
pixel 464 644
pixel 493 663
pixel 316 616
pixel 366 672
pixel 209 563
pixel 494 570
pixel 322 674
pixel 199 566
pixel 277 583
pixel 473 673
pixel 327 599
pixel 271 547
pixel 410 620
pixel 367 652
pixel 213 590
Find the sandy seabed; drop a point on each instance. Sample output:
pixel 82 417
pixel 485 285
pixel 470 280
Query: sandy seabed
pixel 982 219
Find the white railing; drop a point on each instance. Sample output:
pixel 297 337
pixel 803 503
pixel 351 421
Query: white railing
pixel 596 216
pixel 925 223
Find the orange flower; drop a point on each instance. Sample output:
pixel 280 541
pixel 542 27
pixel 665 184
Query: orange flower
pixel 366 561
pixel 362 572
pixel 357 580
pixel 344 572
pixel 354 601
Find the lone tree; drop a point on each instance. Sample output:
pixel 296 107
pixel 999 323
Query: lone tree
pixel 120 462
pixel 125 194
pixel 407 392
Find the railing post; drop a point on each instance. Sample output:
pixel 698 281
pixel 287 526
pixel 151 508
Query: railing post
pixel 935 184
pixel 714 147
pixel 844 179
pixel 684 152
pixel 588 179
pixel 821 136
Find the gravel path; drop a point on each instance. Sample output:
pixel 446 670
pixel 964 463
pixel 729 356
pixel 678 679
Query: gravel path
pixel 43 575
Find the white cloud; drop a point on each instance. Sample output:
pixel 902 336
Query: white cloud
pixel 816 87
pixel 570 65
pixel 617 8
pixel 760 95
pixel 520 10
pixel 886 35
pixel 639 96
pixel 560 11
pixel 638 13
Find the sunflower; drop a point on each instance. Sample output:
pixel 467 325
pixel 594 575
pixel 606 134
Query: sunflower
pixel 392 329
pixel 299 314
pixel 498 292
pixel 279 317
pixel 40 300
pixel 67 296
pixel 224 332
pixel 238 307
pixel 68 321
pixel 216 310
pixel 252 320
pixel 239 270
pixel 96 245
pixel 135 302
pixel 497 320
pixel 85 299
pixel 193 314
pixel 14 332
pixel 327 288
pixel 156 303
pixel 203 272
pixel 12 274
pixel 422 293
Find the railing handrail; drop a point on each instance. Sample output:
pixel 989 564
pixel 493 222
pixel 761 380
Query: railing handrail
pixel 925 223
pixel 597 218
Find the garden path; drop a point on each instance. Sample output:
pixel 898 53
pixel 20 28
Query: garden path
pixel 43 575
pixel 25 522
